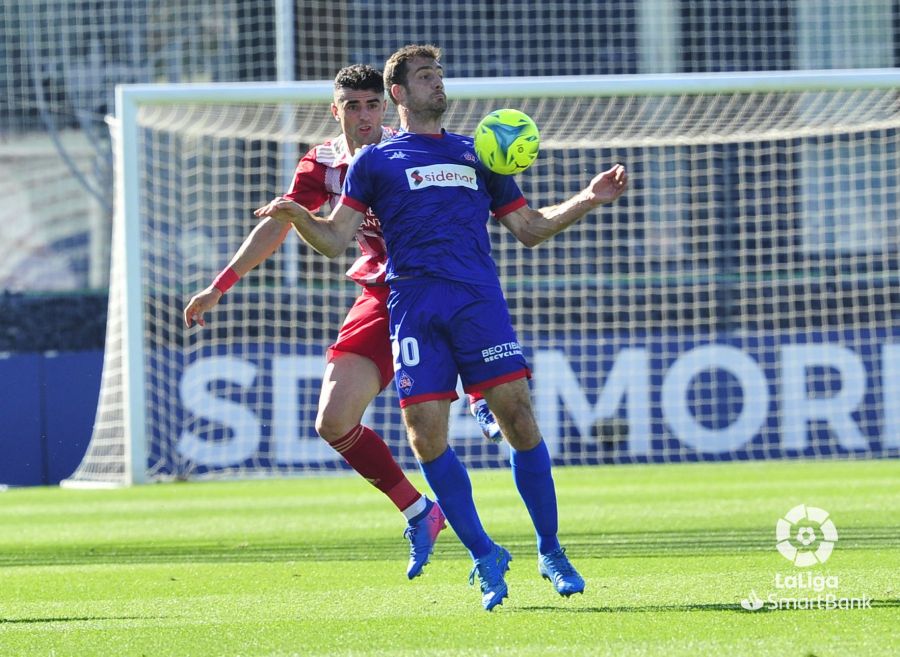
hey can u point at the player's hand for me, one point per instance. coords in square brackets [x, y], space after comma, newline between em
[280, 209]
[199, 304]
[606, 187]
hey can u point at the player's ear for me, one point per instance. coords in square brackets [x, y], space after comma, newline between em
[334, 112]
[396, 89]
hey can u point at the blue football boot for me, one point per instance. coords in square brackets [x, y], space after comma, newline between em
[490, 570]
[558, 569]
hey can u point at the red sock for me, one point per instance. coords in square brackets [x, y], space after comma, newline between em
[368, 454]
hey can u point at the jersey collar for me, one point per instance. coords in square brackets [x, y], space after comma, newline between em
[342, 151]
[433, 135]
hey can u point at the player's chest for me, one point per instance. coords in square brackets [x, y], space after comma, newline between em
[413, 171]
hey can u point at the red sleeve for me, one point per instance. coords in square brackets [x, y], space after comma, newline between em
[353, 203]
[308, 187]
[509, 207]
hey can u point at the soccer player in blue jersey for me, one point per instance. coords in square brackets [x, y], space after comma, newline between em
[447, 311]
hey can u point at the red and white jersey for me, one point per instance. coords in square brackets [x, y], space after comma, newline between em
[318, 180]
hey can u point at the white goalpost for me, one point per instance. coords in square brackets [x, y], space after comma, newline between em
[738, 302]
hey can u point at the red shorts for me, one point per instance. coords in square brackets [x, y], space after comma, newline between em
[366, 332]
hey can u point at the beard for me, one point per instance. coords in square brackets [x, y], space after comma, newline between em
[430, 109]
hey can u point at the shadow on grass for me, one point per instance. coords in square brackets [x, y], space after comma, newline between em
[68, 619]
[645, 544]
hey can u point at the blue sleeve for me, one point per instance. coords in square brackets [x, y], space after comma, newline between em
[504, 191]
[358, 184]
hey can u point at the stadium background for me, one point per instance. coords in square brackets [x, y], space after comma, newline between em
[61, 61]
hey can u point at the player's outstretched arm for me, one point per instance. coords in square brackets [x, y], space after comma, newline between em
[531, 227]
[329, 236]
[262, 242]
[259, 245]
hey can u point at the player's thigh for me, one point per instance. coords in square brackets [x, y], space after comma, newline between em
[427, 426]
[365, 332]
[485, 345]
[511, 405]
[424, 367]
[349, 385]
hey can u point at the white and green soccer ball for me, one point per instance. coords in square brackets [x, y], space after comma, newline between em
[507, 141]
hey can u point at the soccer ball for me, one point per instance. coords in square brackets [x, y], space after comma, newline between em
[507, 141]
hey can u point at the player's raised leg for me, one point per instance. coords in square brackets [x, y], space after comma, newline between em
[532, 473]
[349, 385]
[427, 427]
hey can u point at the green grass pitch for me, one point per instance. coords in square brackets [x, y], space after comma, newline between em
[316, 566]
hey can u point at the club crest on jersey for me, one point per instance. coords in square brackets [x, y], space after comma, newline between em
[405, 382]
[470, 157]
[442, 175]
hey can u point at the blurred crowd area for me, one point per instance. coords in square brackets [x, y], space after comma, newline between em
[60, 61]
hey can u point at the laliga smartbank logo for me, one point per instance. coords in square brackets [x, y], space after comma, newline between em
[805, 536]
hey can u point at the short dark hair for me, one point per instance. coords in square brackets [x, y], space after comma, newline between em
[360, 77]
[396, 68]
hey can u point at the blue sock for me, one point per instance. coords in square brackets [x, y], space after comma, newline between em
[531, 472]
[453, 490]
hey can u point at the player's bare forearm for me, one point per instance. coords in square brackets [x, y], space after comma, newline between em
[329, 236]
[531, 227]
[262, 242]
[259, 245]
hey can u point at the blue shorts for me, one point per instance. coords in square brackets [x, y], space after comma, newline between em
[441, 330]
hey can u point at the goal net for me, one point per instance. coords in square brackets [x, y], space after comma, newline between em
[738, 302]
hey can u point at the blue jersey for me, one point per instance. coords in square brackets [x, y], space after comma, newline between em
[433, 197]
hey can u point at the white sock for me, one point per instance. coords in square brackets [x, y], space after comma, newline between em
[415, 508]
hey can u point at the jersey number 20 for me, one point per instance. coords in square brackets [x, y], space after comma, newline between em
[405, 351]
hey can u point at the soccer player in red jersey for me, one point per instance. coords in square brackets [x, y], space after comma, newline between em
[359, 363]
[448, 314]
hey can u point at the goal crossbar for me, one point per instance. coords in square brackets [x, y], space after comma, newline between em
[560, 86]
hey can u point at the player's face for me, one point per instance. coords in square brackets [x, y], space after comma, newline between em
[424, 89]
[361, 114]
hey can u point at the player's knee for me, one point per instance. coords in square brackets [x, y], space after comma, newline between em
[520, 430]
[427, 451]
[426, 447]
[525, 442]
[332, 426]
